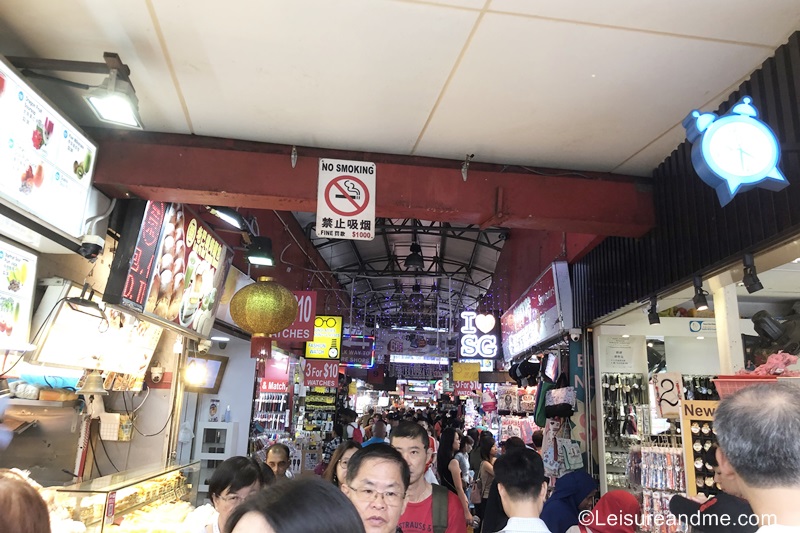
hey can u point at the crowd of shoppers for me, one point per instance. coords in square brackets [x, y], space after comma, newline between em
[380, 487]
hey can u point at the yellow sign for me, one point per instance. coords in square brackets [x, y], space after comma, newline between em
[327, 341]
[466, 371]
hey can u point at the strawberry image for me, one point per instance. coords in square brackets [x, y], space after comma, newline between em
[2, 84]
[38, 138]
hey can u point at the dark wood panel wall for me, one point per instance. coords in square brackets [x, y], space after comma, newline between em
[693, 234]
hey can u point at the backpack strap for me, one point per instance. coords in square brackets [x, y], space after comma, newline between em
[440, 496]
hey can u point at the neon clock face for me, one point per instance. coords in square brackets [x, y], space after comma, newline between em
[742, 147]
[736, 152]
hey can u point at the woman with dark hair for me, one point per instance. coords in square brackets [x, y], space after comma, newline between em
[488, 448]
[448, 468]
[337, 469]
[22, 508]
[306, 505]
[233, 481]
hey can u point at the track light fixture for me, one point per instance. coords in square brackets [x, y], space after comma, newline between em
[465, 166]
[652, 314]
[294, 156]
[229, 215]
[750, 279]
[699, 299]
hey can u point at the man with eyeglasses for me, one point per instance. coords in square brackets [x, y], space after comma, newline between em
[377, 481]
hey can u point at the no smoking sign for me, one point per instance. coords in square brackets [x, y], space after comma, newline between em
[346, 199]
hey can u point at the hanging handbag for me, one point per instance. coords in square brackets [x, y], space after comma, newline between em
[539, 414]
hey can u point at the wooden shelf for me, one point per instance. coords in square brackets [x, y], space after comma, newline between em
[41, 403]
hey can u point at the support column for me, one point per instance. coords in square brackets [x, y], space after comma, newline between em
[729, 334]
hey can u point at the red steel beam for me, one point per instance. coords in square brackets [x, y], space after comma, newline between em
[202, 170]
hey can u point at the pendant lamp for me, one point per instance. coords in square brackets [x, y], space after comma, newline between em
[262, 309]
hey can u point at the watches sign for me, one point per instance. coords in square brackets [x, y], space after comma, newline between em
[327, 340]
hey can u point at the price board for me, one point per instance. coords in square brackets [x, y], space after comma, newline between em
[320, 373]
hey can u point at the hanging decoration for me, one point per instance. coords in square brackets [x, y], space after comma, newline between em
[263, 309]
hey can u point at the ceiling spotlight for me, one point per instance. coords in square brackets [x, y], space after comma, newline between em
[229, 215]
[416, 297]
[115, 102]
[750, 279]
[652, 314]
[294, 156]
[699, 299]
[414, 260]
[259, 252]
[465, 166]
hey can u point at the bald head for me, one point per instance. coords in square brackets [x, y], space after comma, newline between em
[379, 429]
[759, 432]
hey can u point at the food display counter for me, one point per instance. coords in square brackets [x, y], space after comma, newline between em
[149, 499]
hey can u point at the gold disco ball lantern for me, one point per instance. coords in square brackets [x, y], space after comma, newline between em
[262, 309]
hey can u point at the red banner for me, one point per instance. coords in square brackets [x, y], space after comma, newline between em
[321, 373]
[276, 377]
[302, 329]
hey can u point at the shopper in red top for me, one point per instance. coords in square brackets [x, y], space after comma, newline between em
[423, 515]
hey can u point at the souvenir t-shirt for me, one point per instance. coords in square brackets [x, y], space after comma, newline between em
[418, 517]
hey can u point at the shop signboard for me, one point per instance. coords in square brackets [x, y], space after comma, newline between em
[302, 329]
[346, 200]
[276, 377]
[541, 315]
[179, 281]
[465, 378]
[327, 340]
[319, 373]
[479, 333]
[46, 162]
[358, 351]
[17, 284]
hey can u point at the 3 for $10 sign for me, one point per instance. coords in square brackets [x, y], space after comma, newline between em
[320, 373]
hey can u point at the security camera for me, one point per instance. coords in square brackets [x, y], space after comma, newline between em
[223, 345]
[156, 374]
[91, 246]
[575, 334]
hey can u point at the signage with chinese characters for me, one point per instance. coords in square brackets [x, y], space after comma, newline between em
[321, 373]
[478, 335]
[465, 378]
[302, 329]
[542, 314]
[46, 163]
[174, 272]
[327, 340]
[735, 152]
[346, 199]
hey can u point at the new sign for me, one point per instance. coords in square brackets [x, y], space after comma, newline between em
[735, 152]
[543, 313]
[478, 335]
[346, 199]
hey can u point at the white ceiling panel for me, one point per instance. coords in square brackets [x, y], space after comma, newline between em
[622, 94]
[731, 20]
[82, 31]
[350, 74]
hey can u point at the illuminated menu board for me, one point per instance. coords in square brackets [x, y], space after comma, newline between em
[46, 163]
[169, 265]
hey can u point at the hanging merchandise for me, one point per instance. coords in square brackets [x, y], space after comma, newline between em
[623, 399]
[697, 425]
[699, 388]
[662, 478]
[553, 457]
[508, 398]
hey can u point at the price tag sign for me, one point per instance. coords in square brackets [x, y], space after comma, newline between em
[668, 387]
[320, 373]
[465, 378]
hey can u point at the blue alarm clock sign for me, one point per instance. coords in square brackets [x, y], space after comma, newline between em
[735, 152]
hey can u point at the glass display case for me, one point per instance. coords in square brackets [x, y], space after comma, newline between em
[147, 499]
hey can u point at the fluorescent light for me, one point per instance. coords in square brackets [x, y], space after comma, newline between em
[220, 338]
[231, 216]
[700, 337]
[259, 252]
[626, 336]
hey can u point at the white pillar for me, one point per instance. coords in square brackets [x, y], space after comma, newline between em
[729, 334]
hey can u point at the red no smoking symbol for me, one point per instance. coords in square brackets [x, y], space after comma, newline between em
[347, 196]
